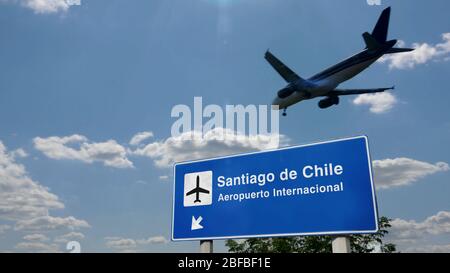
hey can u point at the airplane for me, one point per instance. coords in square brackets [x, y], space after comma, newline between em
[324, 83]
[197, 191]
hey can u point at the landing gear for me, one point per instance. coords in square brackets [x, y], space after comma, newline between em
[284, 112]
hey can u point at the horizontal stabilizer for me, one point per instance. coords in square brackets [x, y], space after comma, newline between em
[371, 42]
[399, 50]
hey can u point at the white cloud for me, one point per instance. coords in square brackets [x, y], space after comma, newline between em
[187, 146]
[435, 225]
[127, 251]
[140, 137]
[37, 247]
[141, 182]
[409, 233]
[46, 6]
[216, 142]
[4, 228]
[422, 54]
[403, 171]
[71, 236]
[77, 147]
[120, 243]
[429, 249]
[28, 204]
[21, 197]
[36, 237]
[378, 102]
[19, 153]
[154, 240]
[163, 177]
[51, 223]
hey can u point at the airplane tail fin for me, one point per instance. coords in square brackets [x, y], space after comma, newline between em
[380, 31]
[378, 38]
[379, 34]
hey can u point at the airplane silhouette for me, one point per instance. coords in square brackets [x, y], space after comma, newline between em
[326, 82]
[197, 191]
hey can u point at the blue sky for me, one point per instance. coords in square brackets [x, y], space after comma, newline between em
[93, 76]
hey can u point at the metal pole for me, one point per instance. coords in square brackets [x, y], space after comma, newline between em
[341, 245]
[206, 246]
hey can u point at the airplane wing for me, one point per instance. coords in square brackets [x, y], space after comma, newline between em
[191, 192]
[202, 190]
[344, 92]
[197, 190]
[284, 71]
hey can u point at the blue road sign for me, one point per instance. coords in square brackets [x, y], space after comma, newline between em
[316, 189]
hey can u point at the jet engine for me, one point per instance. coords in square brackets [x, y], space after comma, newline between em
[328, 102]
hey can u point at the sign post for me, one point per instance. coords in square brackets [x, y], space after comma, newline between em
[206, 246]
[317, 189]
[341, 245]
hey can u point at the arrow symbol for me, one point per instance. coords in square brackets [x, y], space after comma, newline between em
[196, 223]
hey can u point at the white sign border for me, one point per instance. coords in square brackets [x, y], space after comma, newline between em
[374, 199]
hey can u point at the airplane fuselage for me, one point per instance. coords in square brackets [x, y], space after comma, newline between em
[324, 82]
[197, 197]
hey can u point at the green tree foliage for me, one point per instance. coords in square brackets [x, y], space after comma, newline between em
[363, 243]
